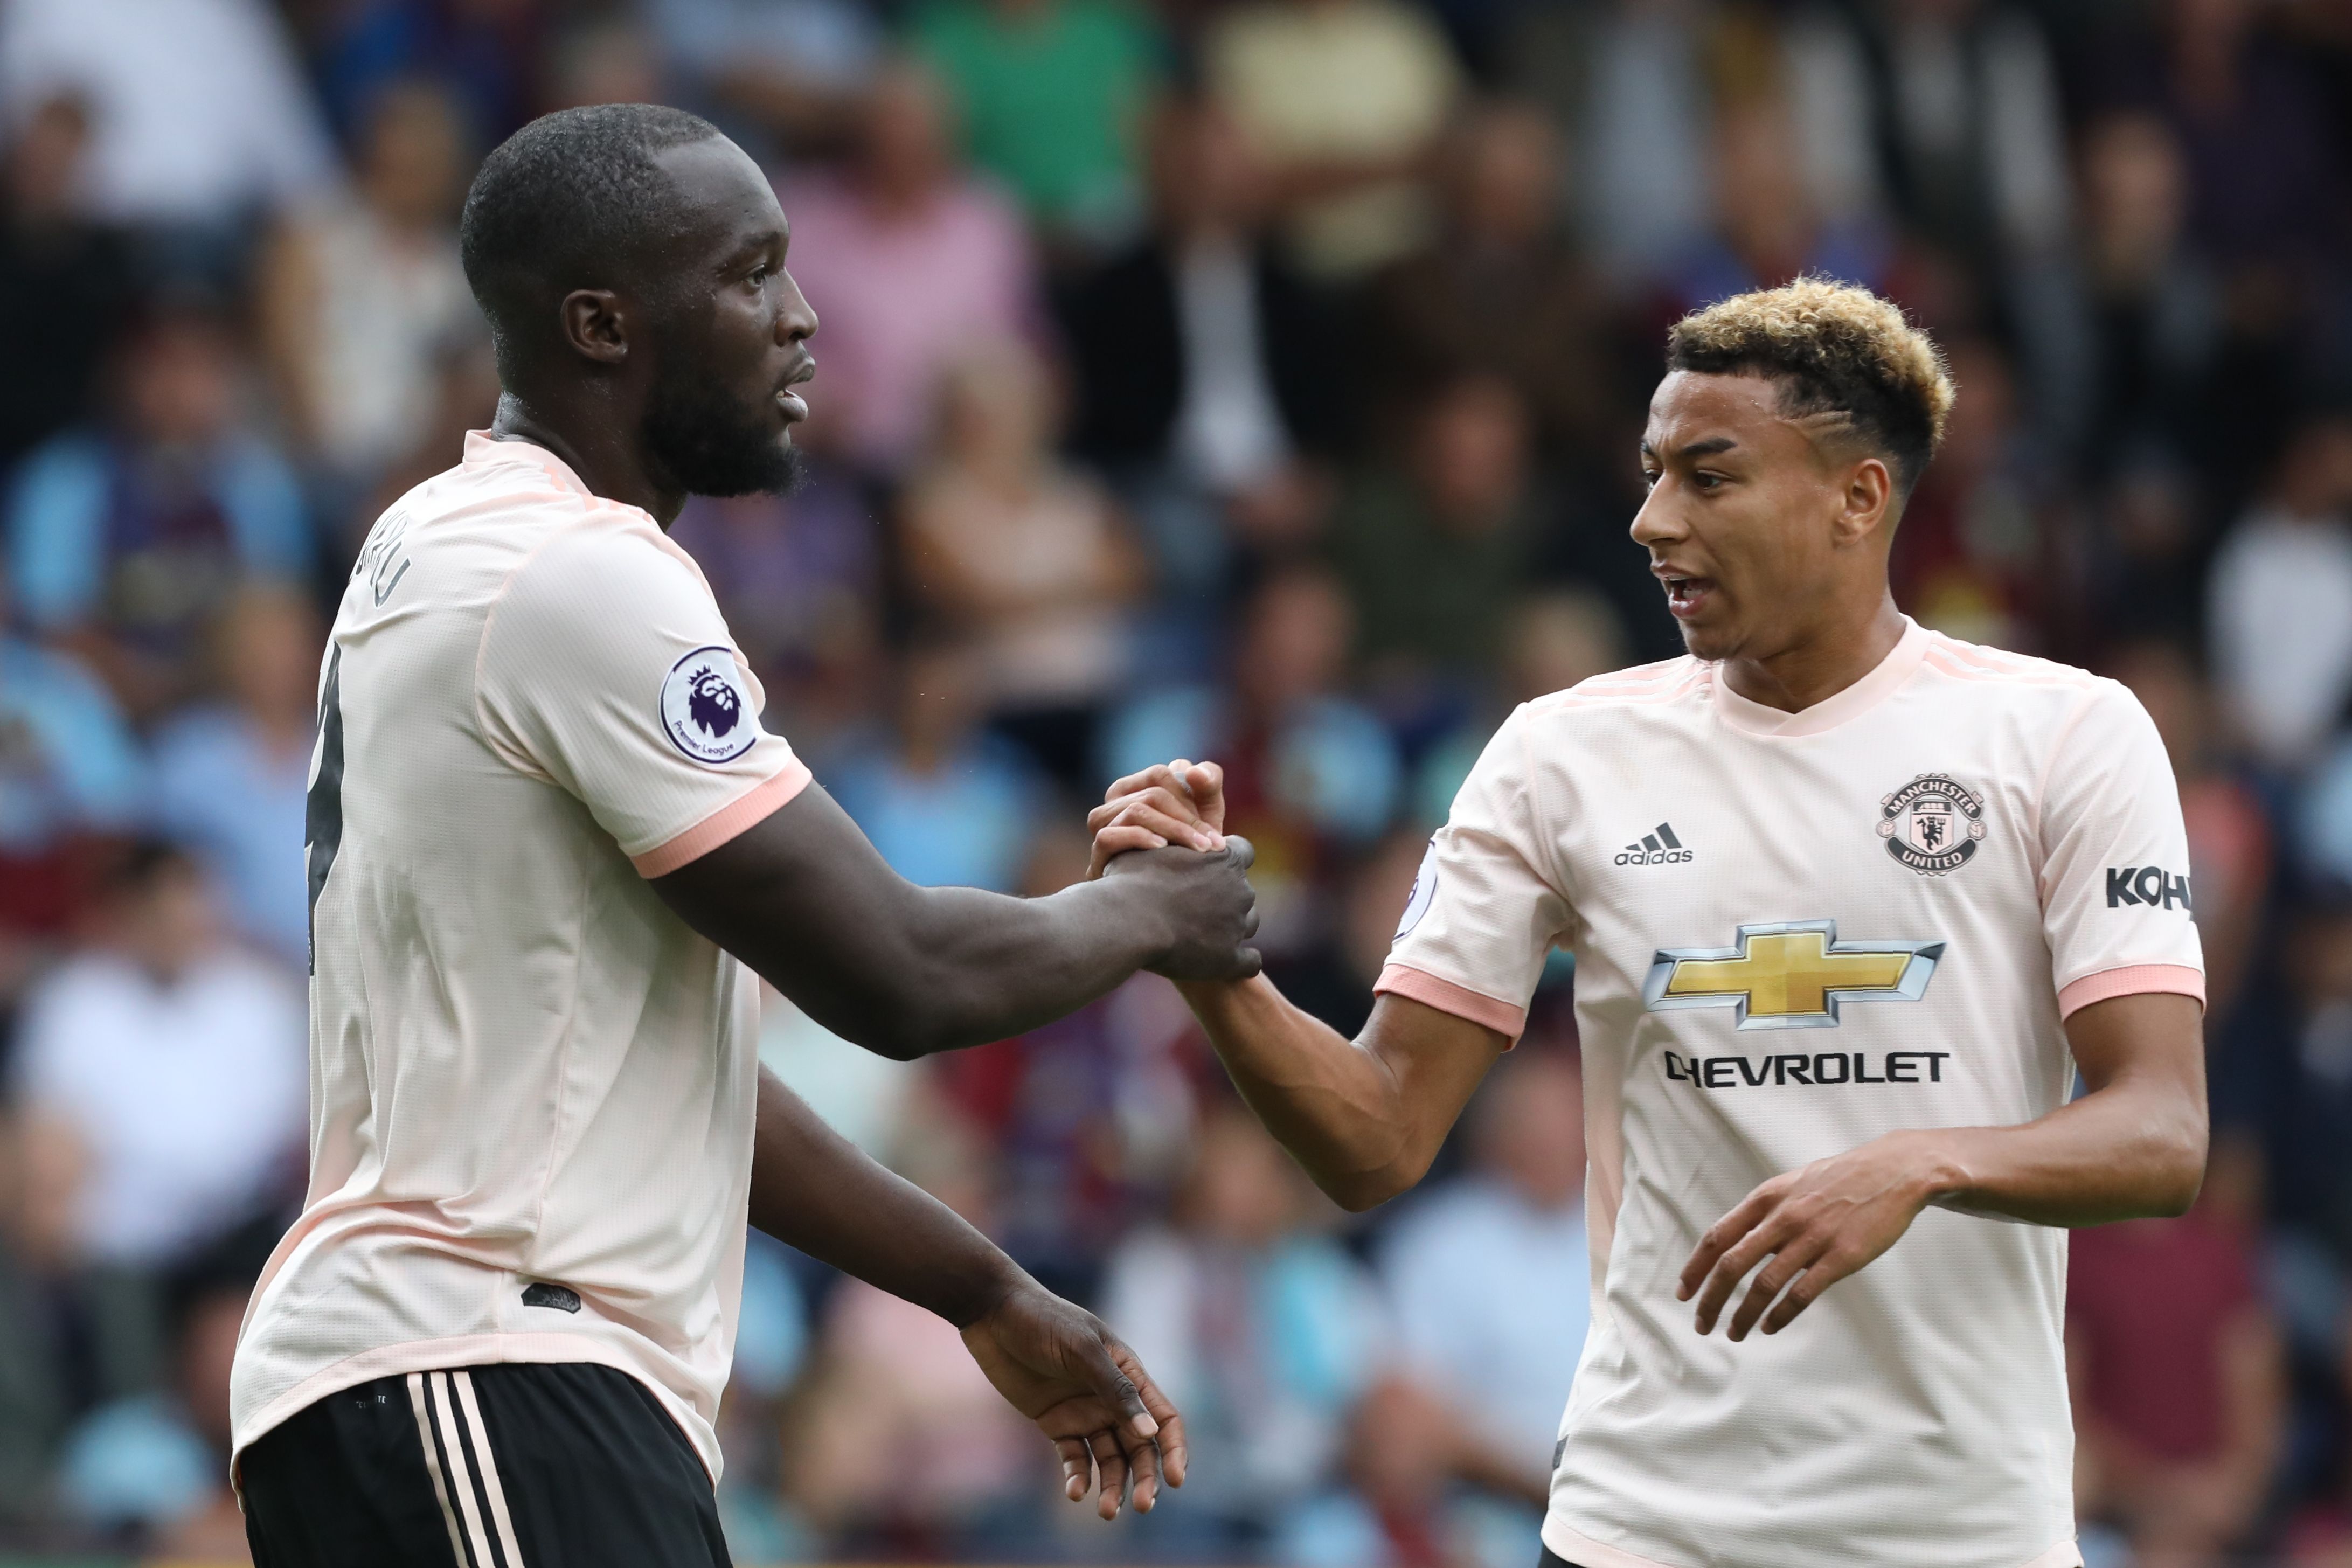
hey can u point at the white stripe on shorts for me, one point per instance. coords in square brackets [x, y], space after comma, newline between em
[432, 1465]
[461, 1479]
[492, 1487]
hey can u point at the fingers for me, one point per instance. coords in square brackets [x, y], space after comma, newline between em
[1723, 1233]
[1207, 782]
[1118, 840]
[1243, 852]
[1111, 1465]
[1078, 1466]
[1168, 1431]
[1144, 1459]
[1825, 1271]
[1798, 1257]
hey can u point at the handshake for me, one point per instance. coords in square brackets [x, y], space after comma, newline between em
[1162, 830]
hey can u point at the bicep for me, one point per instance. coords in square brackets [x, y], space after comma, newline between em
[1435, 1061]
[2151, 1040]
[804, 898]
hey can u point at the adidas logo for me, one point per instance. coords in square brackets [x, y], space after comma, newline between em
[1659, 846]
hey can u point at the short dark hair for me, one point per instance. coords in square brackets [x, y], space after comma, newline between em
[1835, 350]
[566, 203]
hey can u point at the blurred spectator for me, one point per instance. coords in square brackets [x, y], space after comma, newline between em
[126, 538]
[1091, 1115]
[486, 52]
[62, 277]
[2154, 310]
[179, 1062]
[69, 770]
[794, 68]
[2280, 608]
[897, 1441]
[198, 108]
[2178, 1373]
[158, 1462]
[1501, 291]
[1489, 1273]
[798, 575]
[1968, 558]
[1050, 94]
[1205, 369]
[1263, 1332]
[1959, 100]
[231, 779]
[1332, 979]
[2252, 119]
[357, 300]
[1344, 99]
[1429, 548]
[907, 262]
[1768, 225]
[947, 803]
[1551, 641]
[1308, 769]
[72, 1336]
[1027, 559]
[1628, 79]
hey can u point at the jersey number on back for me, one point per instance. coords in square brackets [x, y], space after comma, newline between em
[322, 819]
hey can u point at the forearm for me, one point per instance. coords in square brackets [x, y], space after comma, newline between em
[991, 966]
[1335, 1105]
[2126, 1151]
[813, 1189]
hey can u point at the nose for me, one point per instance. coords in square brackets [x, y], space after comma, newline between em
[1655, 523]
[795, 321]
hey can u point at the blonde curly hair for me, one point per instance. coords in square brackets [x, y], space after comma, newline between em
[1838, 353]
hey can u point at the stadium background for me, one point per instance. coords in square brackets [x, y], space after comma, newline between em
[1256, 380]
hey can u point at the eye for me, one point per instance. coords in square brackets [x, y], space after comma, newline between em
[1707, 482]
[1650, 478]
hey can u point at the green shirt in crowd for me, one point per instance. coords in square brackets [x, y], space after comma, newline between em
[1051, 92]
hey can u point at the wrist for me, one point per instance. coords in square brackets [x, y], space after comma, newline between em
[1937, 1172]
[988, 1285]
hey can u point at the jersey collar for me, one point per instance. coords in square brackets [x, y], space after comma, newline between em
[1901, 662]
[483, 449]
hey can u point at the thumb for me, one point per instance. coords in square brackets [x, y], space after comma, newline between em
[1207, 782]
[1117, 1390]
[1242, 852]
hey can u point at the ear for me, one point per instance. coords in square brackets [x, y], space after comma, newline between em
[593, 327]
[1866, 505]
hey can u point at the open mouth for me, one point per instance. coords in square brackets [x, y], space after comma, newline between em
[795, 407]
[1686, 596]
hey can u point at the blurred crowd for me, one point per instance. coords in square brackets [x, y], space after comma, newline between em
[1250, 379]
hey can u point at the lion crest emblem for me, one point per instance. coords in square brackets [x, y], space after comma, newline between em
[705, 704]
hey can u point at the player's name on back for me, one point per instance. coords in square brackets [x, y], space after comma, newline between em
[1822, 1069]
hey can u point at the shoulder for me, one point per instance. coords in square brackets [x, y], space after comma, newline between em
[1668, 681]
[1969, 661]
[2059, 702]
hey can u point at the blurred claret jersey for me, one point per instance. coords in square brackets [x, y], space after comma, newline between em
[1794, 933]
[531, 1084]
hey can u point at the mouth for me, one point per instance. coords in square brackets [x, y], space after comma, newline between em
[793, 406]
[1685, 596]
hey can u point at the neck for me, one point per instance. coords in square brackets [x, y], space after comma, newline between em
[583, 432]
[1819, 666]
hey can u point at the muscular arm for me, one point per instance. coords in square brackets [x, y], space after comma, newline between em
[1053, 1361]
[1363, 1117]
[2132, 1146]
[905, 971]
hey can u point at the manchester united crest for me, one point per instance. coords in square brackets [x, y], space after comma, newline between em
[1933, 824]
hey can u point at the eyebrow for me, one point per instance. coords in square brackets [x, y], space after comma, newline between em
[1706, 449]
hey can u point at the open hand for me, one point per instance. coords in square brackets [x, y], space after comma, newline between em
[1059, 1366]
[1173, 803]
[1817, 1224]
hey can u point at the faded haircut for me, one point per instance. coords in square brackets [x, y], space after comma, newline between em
[1840, 355]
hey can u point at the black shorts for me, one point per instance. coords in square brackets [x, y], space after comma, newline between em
[519, 1464]
[1552, 1560]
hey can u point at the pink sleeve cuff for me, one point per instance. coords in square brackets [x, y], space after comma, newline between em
[2131, 980]
[753, 806]
[1459, 1000]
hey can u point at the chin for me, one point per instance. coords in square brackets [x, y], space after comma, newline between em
[1714, 644]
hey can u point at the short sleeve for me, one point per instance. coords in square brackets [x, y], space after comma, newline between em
[1483, 912]
[2117, 898]
[606, 670]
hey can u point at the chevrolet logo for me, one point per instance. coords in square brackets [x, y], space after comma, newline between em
[1792, 976]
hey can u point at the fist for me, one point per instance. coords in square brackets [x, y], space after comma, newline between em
[1173, 803]
[1209, 905]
